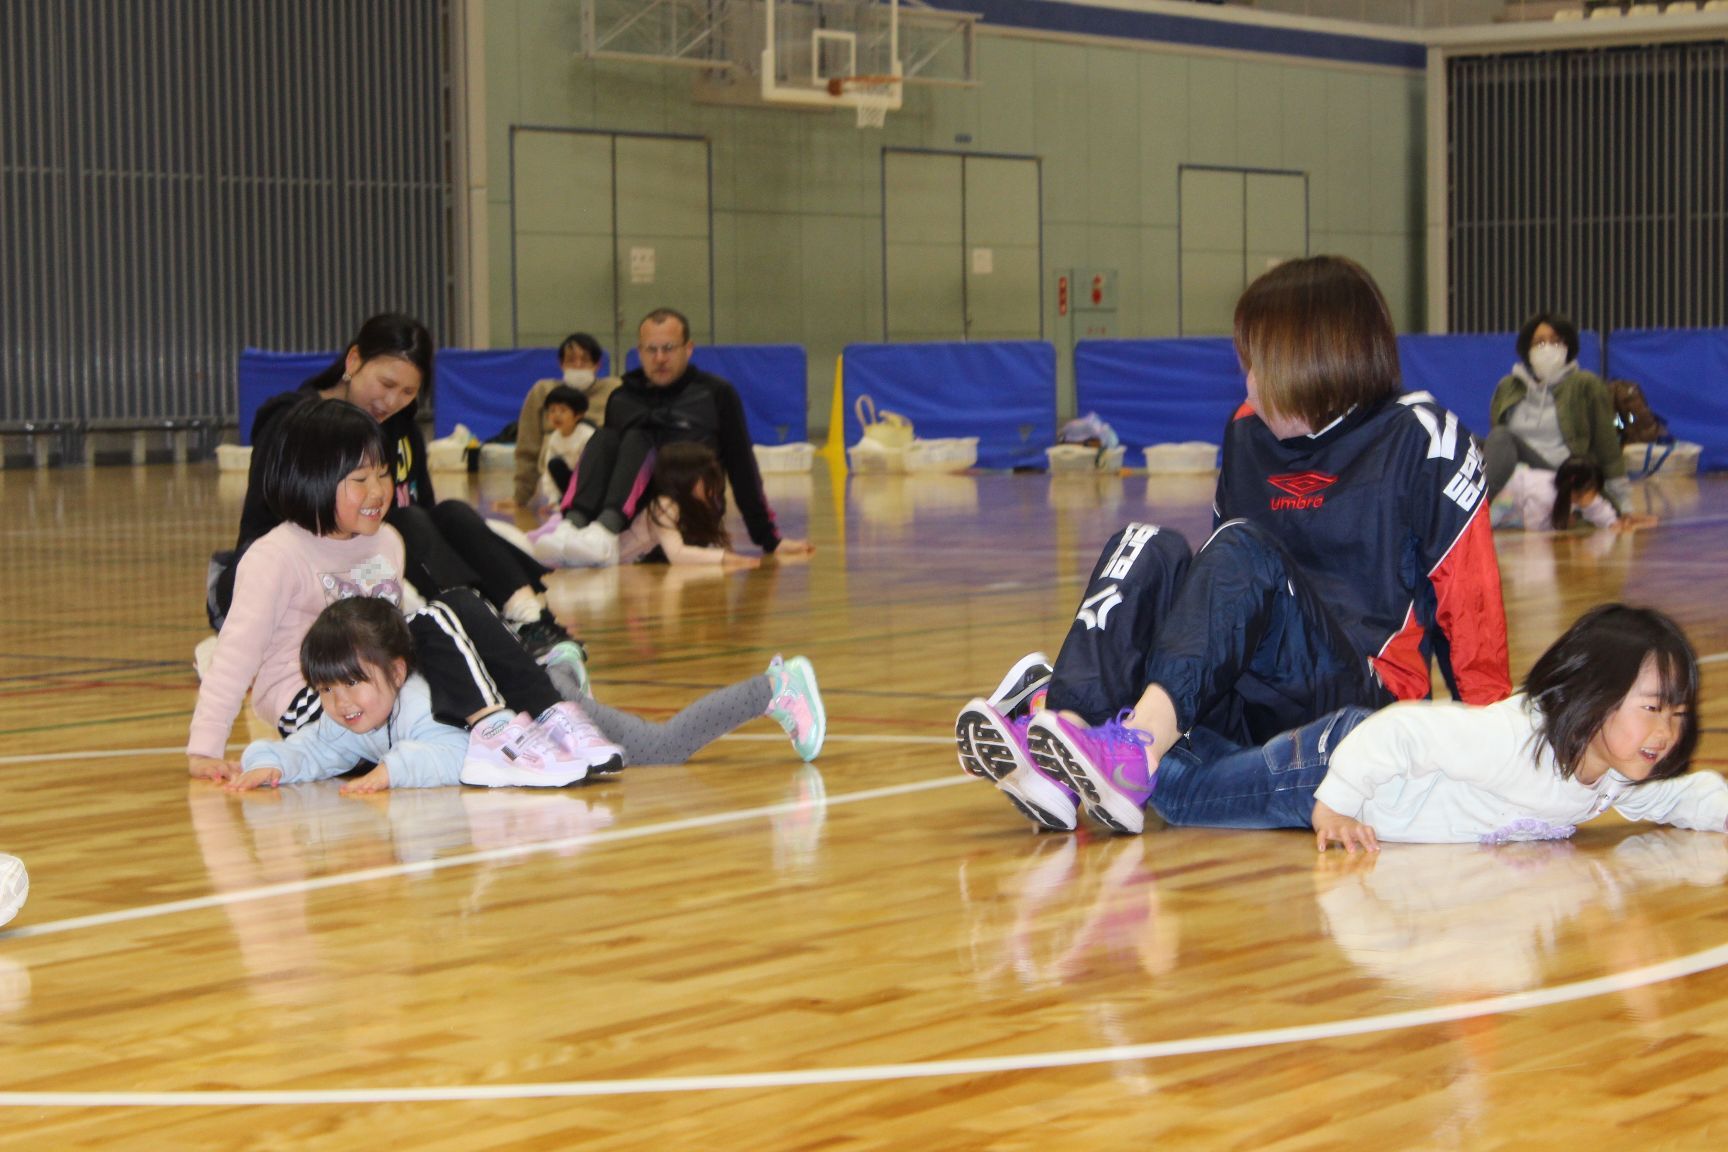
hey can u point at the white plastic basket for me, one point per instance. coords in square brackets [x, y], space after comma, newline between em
[448, 456]
[870, 456]
[497, 456]
[1682, 461]
[1080, 458]
[233, 457]
[951, 454]
[777, 458]
[1187, 456]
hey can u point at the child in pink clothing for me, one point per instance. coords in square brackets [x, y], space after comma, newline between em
[683, 522]
[327, 476]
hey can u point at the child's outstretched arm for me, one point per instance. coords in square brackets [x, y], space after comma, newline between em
[251, 623]
[265, 777]
[1335, 828]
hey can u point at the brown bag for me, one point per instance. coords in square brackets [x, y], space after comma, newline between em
[1632, 415]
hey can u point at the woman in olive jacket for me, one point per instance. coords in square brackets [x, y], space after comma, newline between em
[1548, 409]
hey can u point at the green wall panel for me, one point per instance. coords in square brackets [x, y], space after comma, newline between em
[797, 200]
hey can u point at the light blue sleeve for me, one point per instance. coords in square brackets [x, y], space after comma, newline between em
[426, 753]
[318, 751]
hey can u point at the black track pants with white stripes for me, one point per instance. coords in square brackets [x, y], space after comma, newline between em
[472, 662]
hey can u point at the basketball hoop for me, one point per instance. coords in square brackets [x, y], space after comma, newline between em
[872, 96]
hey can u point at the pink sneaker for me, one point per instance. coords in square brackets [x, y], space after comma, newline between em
[797, 705]
[506, 750]
[568, 727]
[993, 746]
[1106, 765]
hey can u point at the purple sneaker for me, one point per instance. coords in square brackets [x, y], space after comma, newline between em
[994, 747]
[1106, 765]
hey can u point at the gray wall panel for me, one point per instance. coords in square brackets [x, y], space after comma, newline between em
[1588, 182]
[181, 179]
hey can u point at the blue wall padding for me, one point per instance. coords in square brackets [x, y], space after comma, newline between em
[484, 388]
[1461, 369]
[1159, 391]
[1684, 374]
[770, 379]
[1001, 391]
[1167, 391]
[264, 374]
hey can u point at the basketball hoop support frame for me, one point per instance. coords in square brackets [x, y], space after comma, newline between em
[820, 96]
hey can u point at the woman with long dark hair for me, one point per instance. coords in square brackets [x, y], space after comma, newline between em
[386, 370]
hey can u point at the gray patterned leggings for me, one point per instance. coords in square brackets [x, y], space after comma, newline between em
[678, 739]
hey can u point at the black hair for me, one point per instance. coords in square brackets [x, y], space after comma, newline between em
[312, 448]
[1563, 328]
[661, 315]
[572, 398]
[1586, 674]
[583, 341]
[677, 468]
[1578, 475]
[386, 334]
[351, 636]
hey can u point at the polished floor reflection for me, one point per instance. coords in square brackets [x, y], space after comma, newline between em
[747, 952]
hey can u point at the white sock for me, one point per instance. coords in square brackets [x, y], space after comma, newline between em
[524, 606]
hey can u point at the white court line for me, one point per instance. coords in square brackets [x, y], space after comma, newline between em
[423, 867]
[978, 1066]
[771, 738]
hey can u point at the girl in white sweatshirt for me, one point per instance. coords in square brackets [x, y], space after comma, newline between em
[1606, 719]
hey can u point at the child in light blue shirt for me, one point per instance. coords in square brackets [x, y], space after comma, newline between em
[359, 657]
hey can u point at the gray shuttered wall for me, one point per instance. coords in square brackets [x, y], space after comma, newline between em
[1592, 183]
[180, 179]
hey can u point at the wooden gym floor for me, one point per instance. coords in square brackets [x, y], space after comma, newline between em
[873, 952]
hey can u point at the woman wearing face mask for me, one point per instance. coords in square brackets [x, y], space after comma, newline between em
[579, 363]
[385, 371]
[1549, 409]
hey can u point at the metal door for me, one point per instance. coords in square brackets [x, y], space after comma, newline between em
[604, 228]
[962, 247]
[1235, 224]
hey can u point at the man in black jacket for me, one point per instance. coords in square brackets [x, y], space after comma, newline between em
[664, 401]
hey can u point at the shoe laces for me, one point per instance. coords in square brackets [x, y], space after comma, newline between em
[1118, 732]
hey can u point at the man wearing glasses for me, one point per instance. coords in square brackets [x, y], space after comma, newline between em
[662, 402]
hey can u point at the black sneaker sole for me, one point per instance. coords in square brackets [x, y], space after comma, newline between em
[1044, 820]
[983, 750]
[1054, 758]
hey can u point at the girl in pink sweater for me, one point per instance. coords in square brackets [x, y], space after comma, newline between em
[325, 476]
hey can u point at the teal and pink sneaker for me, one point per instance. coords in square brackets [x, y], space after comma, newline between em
[1106, 765]
[797, 704]
[993, 746]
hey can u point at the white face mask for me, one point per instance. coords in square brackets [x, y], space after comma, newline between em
[1547, 360]
[578, 377]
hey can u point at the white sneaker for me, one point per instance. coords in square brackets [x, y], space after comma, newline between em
[510, 751]
[591, 547]
[569, 728]
[14, 886]
[549, 546]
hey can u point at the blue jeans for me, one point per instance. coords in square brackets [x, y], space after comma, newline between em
[1212, 781]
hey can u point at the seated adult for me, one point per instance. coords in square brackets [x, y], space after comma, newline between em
[1549, 409]
[664, 401]
[385, 371]
[578, 363]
